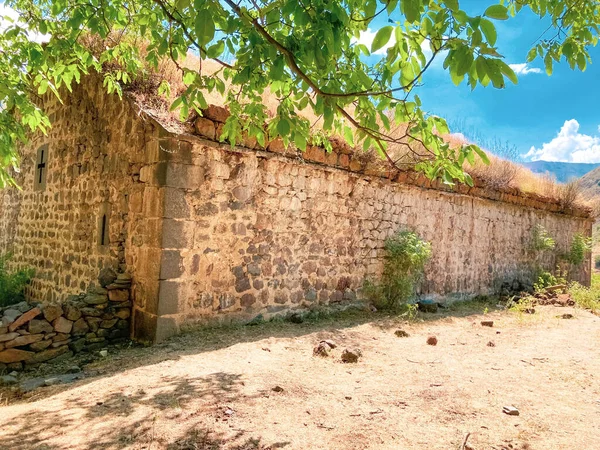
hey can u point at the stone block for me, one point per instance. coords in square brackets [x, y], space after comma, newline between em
[80, 327]
[216, 113]
[25, 318]
[166, 327]
[176, 205]
[177, 234]
[51, 312]
[170, 294]
[46, 355]
[171, 264]
[95, 299]
[71, 312]
[108, 323]
[118, 295]
[144, 326]
[8, 337]
[24, 340]
[62, 325]
[13, 355]
[41, 345]
[186, 176]
[205, 128]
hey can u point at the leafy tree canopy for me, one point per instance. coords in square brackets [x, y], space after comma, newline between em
[305, 51]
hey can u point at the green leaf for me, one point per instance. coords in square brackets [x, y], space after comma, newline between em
[411, 9]
[498, 12]
[452, 5]
[283, 127]
[531, 55]
[205, 27]
[481, 154]
[489, 31]
[506, 70]
[381, 38]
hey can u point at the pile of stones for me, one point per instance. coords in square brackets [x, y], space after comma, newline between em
[33, 333]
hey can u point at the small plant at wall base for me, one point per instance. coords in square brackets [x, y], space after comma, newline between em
[12, 284]
[405, 257]
[581, 246]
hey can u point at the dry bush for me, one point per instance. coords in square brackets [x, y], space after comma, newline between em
[569, 194]
[499, 174]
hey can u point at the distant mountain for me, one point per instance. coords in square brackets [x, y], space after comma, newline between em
[590, 183]
[563, 171]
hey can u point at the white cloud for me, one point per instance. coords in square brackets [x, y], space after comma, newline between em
[9, 17]
[524, 69]
[568, 146]
[366, 38]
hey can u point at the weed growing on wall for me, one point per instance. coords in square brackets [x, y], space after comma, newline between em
[541, 239]
[12, 284]
[405, 257]
[581, 246]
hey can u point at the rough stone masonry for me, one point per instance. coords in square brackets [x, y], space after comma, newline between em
[211, 232]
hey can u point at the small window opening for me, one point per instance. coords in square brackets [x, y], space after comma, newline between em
[103, 237]
[103, 225]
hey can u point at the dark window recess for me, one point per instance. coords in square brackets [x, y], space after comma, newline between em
[41, 168]
[104, 224]
[103, 237]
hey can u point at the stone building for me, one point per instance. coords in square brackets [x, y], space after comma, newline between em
[210, 232]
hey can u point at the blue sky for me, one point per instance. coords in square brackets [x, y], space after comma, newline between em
[559, 116]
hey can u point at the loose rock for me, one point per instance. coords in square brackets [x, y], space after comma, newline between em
[510, 410]
[322, 350]
[401, 333]
[351, 355]
[432, 340]
[487, 323]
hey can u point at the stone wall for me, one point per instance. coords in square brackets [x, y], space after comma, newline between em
[210, 232]
[251, 230]
[95, 151]
[35, 333]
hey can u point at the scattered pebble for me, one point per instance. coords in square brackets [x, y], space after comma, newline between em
[510, 410]
[432, 340]
[401, 333]
[487, 323]
[277, 389]
[529, 311]
[491, 344]
[566, 316]
[104, 353]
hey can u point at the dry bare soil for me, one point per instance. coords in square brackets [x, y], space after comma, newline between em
[261, 388]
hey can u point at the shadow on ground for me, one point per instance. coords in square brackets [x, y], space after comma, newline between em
[34, 430]
[197, 340]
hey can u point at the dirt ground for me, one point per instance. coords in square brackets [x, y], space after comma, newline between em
[260, 387]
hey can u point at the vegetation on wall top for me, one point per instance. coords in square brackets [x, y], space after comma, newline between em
[306, 52]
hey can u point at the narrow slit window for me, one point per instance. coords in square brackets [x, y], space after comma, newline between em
[103, 237]
[104, 225]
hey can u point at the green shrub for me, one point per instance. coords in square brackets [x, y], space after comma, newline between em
[541, 239]
[546, 279]
[405, 257]
[588, 298]
[597, 262]
[12, 284]
[581, 246]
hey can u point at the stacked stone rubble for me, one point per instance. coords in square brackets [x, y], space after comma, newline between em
[31, 334]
